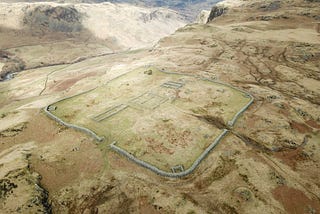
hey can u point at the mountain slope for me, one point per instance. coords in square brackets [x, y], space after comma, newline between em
[34, 34]
[141, 26]
[189, 9]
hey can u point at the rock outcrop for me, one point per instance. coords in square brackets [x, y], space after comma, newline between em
[53, 18]
[216, 11]
[17, 180]
[123, 25]
[10, 65]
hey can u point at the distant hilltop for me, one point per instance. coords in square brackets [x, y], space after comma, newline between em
[126, 26]
[188, 8]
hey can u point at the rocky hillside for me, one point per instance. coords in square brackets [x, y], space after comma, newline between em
[19, 183]
[34, 34]
[53, 18]
[189, 9]
[126, 25]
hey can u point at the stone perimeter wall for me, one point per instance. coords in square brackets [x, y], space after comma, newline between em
[237, 115]
[143, 163]
[79, 128]
[169, 174]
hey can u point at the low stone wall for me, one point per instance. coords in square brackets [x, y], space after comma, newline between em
[235, 118]
[170, 174]
[79, 128]
[143, 163]
[238, 114]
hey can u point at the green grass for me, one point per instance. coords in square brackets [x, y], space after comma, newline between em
[166, 136]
